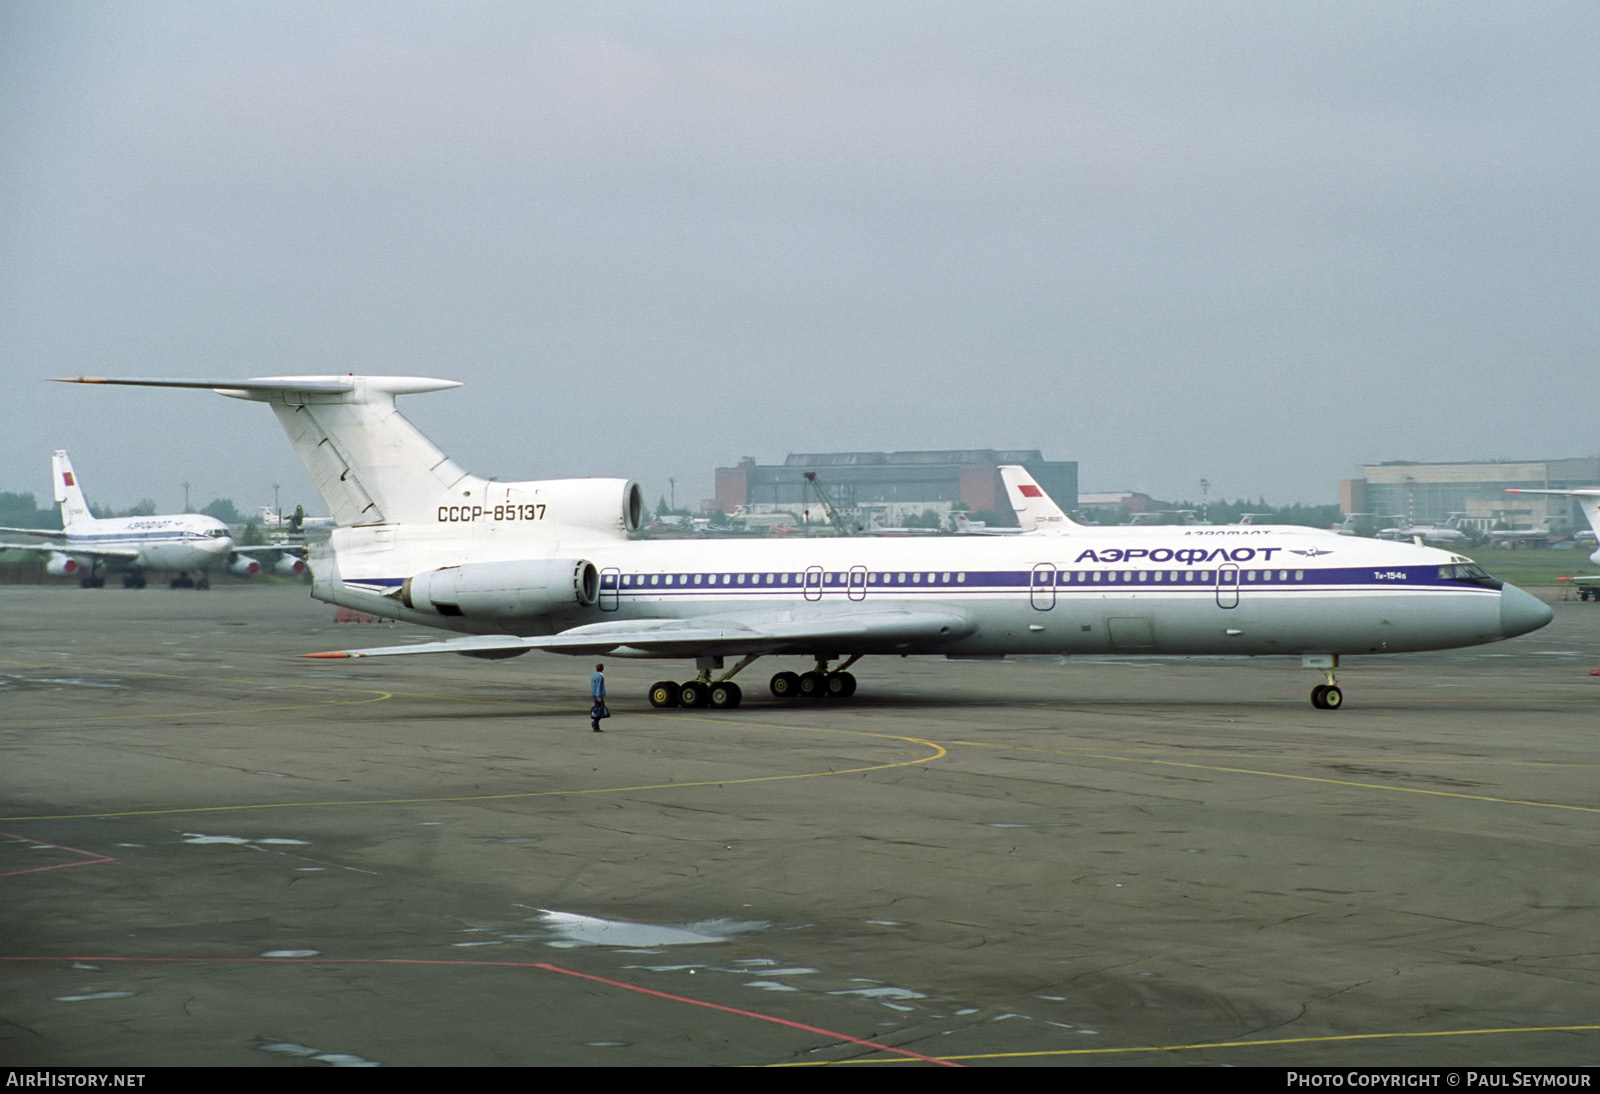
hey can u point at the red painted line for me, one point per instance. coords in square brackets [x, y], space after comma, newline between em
[874, 1045]
[91, 857]
[754, 1014]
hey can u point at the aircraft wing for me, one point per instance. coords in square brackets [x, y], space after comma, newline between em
[741, 634]
[54, 534]
[56, 541]
[965, 527]
[259, 549]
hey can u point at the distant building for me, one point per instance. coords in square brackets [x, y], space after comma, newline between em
[895, 484]
[1428, 493]
[1114, 501]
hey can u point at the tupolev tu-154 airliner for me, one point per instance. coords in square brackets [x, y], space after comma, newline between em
[551, 565]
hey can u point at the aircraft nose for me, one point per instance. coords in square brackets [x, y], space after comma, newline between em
[1521, 612]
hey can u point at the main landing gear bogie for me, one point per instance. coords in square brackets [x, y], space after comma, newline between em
[813, 685]
[724, 694]
[696, 694]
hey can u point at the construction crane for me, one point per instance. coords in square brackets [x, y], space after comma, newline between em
[835, 518]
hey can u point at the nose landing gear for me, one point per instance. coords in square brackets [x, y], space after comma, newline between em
[1325, 696]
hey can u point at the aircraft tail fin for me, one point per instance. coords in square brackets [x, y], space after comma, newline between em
[370, 464]
[376, 470]
[75, 515]
[1036, 511]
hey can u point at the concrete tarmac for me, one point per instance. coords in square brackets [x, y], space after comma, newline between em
[215, 853]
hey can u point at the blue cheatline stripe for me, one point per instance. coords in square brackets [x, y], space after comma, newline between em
[1064, 582]
[134, 537]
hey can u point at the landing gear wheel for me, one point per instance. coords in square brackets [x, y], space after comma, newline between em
[841, 685]
[813, 685]
[785, 685]
[694, 694]
[664, 694]
[726, 696]
[203, 584]
[1327, 697]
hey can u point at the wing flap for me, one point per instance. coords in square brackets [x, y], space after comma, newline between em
[883, 632]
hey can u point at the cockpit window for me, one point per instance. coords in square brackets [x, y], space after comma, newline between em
[1469, 573]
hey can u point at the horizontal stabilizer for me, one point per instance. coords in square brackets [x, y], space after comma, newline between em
[368, 462]
[265, 387]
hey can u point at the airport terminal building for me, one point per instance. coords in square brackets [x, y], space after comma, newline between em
[896, 484]
[1428, 493]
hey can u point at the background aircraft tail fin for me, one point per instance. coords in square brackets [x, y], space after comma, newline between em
[75, 514]
[1036, 511]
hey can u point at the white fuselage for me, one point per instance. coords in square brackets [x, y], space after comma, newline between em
[1197, 590]
[184, 542]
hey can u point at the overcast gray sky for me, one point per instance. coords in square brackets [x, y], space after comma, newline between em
[1257, 243]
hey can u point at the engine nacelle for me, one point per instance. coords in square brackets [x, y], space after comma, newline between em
[243, 566]
[60, 565]
[504, 590]
[605, 506]
[289, 566]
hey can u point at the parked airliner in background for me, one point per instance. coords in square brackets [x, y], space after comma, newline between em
[297, 523]
[1039, 515]
[87, 545]
[1440, 535]
[183, 543]
[1589, 502]
[549, 565]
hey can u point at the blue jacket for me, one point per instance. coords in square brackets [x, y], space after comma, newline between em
[597, 687]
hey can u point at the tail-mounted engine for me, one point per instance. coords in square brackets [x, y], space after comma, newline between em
[605, 507]
[504, 590]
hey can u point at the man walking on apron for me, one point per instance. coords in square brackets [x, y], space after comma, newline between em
[597, 692]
